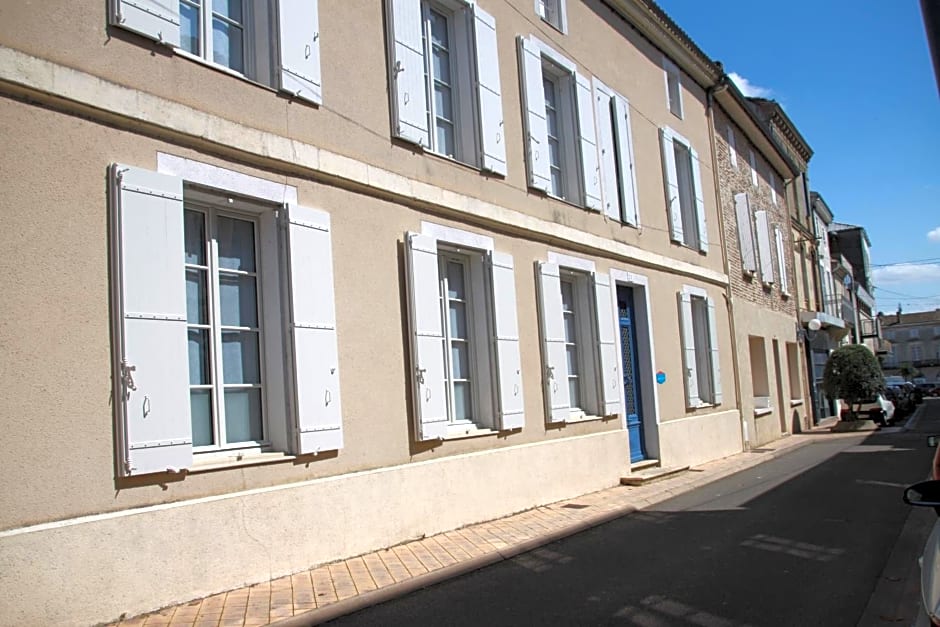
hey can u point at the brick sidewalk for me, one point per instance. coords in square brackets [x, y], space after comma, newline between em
[384, 574]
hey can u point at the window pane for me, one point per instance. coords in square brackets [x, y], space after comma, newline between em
[199, 357]
[462, 405]
[238, 297]
[200, 408]
[455, 280]
[460, 360]
[572, 355]
[240, 357]
[236, 244]
[440, 65]
[458, 320]
[443, 103]
[194, 227]
[227, 45]
[231, 9]
[439, 35]
[571, 334]
[567, 296]
[189, 28]
[243, 415]
[574, 391]
[196, 300]
[445, 138]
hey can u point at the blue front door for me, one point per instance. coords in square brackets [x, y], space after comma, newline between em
[631, 386]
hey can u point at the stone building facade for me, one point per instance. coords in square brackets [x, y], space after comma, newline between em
[752, 171]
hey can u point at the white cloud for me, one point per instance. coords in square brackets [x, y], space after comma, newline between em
[907, 273]
[748, 89]
[934, 235]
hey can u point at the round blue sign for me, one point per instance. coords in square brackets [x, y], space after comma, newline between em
[660, 377]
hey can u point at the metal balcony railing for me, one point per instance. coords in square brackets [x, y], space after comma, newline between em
[841, 307]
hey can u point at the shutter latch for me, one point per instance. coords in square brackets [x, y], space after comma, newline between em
[419, 372]
[127, 378]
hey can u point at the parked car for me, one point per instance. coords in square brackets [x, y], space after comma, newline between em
[878, 408]
[927, 494]
[903, 398]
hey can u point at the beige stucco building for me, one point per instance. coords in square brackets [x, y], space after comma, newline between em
[289, 299]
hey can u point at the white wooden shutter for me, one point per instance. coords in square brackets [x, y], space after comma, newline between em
[763, 247]
[408, 97]
[610, 380]
[623, 139]
[699, 201]
[671, 182]
[536, 126]
[151, 375]
[427, 337]
[299, 23]
[608, 154]
[742, 209]
[713, 347]
[687, 335]
[489, 94]
[782, 262]
[506, 342]
[557, 398]
[155, 19]
[753, 161]
[732, 148]
[590, 168]
[317, 409]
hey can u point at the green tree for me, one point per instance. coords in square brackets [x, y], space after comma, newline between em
[853, 374]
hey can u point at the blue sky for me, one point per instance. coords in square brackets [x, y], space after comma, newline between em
[856, 79]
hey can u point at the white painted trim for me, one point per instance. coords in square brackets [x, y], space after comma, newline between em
[677, 137]
[695, 291]
[573, 263]
[457, 237]
[192, 171]
[553, 55]
[646, 351]
[92, 96]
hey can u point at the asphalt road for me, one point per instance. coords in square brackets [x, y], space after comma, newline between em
[803, 539]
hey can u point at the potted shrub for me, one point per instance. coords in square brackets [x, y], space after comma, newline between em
[853, 374]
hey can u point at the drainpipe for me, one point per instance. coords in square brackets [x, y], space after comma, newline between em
[718, 87]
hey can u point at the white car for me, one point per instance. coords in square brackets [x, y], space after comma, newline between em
[927, 494]
[880, 409]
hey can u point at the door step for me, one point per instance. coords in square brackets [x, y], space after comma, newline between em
[643, 464]
[651, 474]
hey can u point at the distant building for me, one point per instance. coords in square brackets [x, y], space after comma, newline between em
[914, 341]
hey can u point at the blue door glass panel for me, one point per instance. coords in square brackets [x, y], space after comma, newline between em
[631, 385]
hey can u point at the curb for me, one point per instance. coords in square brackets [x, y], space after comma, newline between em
[375, 597]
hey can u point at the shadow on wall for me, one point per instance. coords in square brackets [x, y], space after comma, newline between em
[796, 425]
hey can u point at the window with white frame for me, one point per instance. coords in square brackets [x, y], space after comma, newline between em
[673, 87]
[782, 261]
[697, 324]
[917, 351]
[764, 247]
[444, 75]
[464, 334]
[615, 144]
[773, 187]
[553, 12]
[578, 335]
[562, 156]
[276, 44]
[760, 379]
[225, 328]
[745, 226]
[683, 186]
